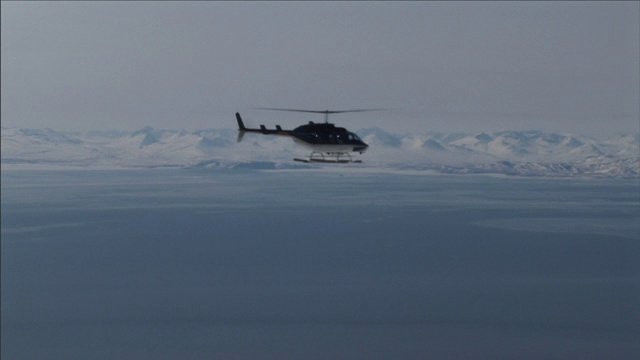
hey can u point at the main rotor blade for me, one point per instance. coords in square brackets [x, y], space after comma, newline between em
[321, 111]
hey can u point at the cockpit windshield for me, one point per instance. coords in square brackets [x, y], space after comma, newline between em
[354, 136]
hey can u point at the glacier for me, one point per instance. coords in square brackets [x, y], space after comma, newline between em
[514, 153]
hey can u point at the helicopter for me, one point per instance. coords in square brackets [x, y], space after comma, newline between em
[328, 143]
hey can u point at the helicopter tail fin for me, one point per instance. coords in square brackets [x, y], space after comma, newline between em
[240, 135]
[240, 123]
[241, 128]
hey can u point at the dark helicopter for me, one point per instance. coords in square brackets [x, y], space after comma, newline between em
[327, 142]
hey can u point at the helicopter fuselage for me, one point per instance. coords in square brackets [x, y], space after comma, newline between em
[328, 138]
[323, 138]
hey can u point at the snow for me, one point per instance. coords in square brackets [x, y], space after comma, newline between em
[521, 153]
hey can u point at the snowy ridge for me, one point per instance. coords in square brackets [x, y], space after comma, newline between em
[522, 153]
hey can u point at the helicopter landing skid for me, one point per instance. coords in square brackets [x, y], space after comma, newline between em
[335, 158]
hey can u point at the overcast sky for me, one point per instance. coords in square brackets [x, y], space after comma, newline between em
[442, 66]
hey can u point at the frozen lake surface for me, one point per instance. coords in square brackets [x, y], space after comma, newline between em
[240, 264]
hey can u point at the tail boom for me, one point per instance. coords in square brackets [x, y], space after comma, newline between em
[263, 129]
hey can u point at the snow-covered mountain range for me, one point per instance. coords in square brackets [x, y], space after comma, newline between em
[525, 153]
